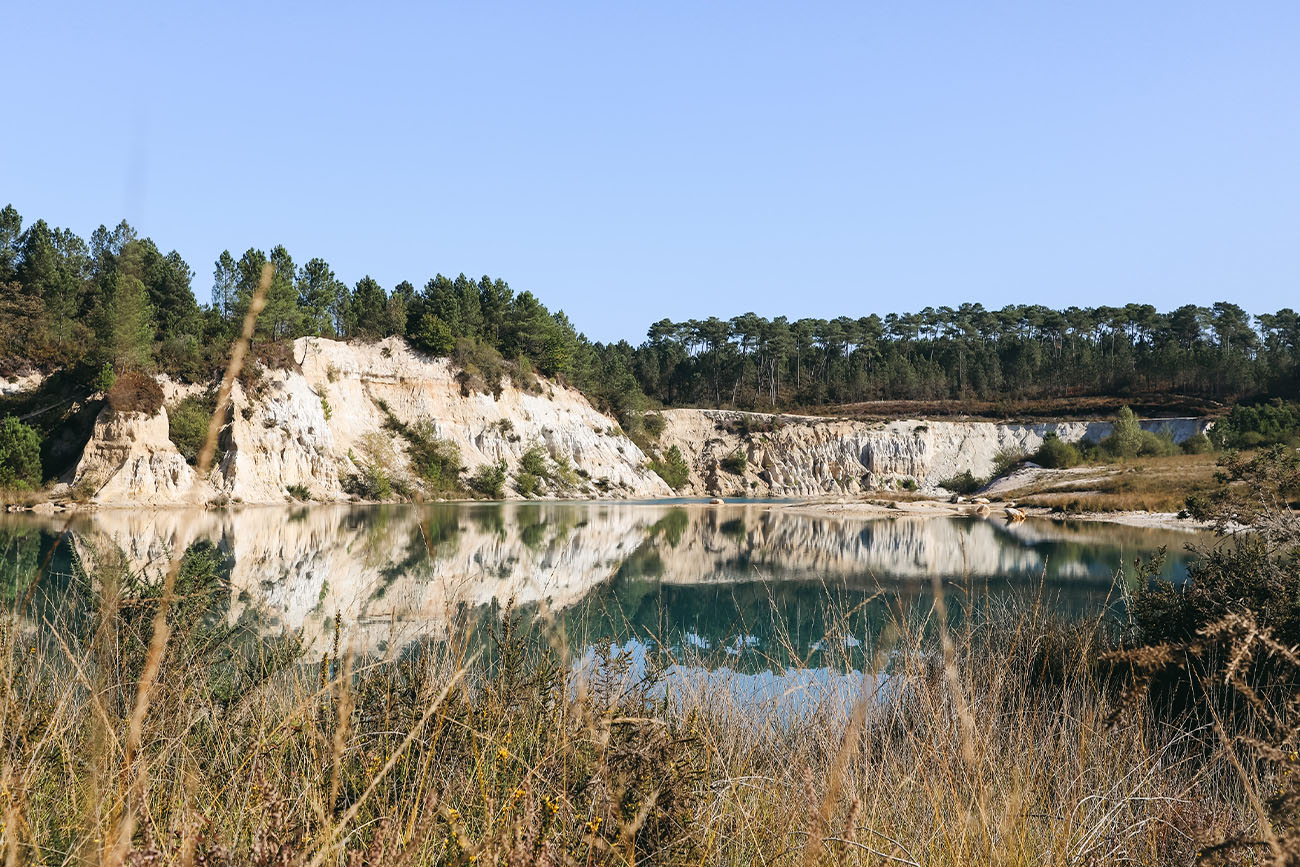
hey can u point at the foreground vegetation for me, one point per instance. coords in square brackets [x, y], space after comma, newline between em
[143, 723]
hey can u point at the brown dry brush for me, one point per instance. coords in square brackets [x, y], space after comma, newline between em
[990, 748]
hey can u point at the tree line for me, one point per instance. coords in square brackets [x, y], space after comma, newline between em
[969, 352]
[118, 300]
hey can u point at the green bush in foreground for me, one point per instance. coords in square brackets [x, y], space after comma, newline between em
[20, 455]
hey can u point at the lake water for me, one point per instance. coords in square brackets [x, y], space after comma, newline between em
[751, 586]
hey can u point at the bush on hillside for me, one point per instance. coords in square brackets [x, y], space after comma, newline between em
[527, 483]
[653, 424]
[1007, 459]
[20, 455]
[480, 367]
[436, 460]
[489, 481]
[372, 483]
[187, 424]
[533, 462]
[735, 462]
[433, 336]
[135, 392]
[1055, 453]
[962, 483]
[672, 469]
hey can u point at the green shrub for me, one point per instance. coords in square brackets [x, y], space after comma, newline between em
[1008, 458]
[187, 424]
[480, 367]
[433, 336]
[672, 469]
[962, 483]
[1125, 440]
[20, 455]
[1157, 445]
[1055, 453]
[181, 356]
[526, 483]
[1198, 444]
[735, 462]
[653, 423]
[533, 462]
[298, 492]
[325, 407]
[372, 483]
[564, 474]
[1245, 427]
[105, 377]
[489, 480]
[436, 460]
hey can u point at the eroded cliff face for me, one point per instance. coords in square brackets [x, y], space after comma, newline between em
[323, 423]
[319, 425]
[789, 456]
[130, 459]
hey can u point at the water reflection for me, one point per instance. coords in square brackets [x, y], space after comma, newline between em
[718, 583]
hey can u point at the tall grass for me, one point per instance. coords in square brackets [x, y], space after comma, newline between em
[997, 742]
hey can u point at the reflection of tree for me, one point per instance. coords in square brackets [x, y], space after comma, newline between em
[672, 525]
[20, 558]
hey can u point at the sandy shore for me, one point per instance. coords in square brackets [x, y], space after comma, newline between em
[943, 508]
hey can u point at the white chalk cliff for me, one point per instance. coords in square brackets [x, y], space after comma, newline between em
[787, 456]
[318, 425]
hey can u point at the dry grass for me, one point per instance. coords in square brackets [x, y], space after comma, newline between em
[988, 745]
[1152, 484]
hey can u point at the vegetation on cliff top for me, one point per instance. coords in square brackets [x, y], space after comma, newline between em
[119, 300]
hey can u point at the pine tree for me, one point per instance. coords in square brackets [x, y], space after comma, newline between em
[127, 328]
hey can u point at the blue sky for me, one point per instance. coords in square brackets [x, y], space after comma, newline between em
[629, 161]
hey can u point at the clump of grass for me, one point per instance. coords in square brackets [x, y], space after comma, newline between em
[735, 462]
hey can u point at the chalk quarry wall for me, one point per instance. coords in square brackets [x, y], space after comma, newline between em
[790, 456]
[320, 424]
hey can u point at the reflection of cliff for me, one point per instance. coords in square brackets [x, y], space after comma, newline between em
[394, 573]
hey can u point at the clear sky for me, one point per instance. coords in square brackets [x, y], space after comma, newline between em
[628, 161]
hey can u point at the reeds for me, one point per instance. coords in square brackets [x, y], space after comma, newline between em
[1001, 741]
